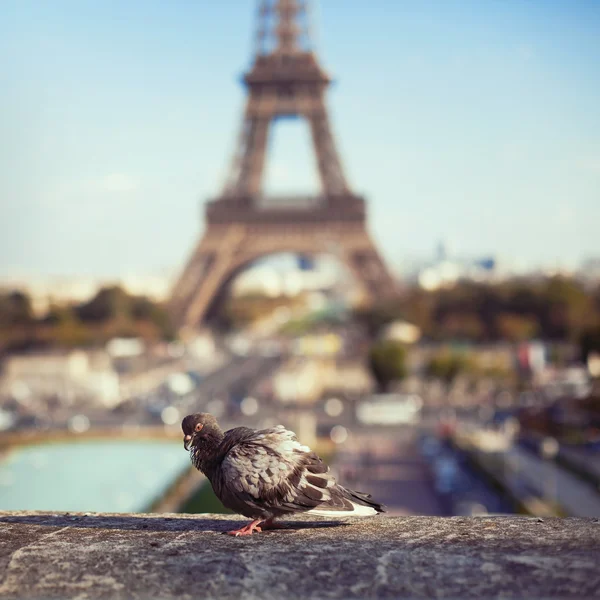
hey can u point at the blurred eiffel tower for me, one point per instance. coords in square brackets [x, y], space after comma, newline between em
[243, 224]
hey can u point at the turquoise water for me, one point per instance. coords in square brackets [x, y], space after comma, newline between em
[95, 476]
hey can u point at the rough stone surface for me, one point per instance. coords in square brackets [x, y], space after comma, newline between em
[46, 555]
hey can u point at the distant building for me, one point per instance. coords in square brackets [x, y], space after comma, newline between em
[317, 344]
[446, 270]
[589, 270]
[70, 376]
[349, 377]
[299, 382]
[125, 347]
[401, 331]
[593, 364]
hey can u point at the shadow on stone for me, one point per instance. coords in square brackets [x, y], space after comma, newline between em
[155, 523]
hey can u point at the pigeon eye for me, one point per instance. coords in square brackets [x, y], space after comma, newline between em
[199, 426]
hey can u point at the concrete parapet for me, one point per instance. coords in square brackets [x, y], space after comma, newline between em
[62, 555]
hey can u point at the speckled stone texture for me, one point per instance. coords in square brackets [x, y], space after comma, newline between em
[46, 555]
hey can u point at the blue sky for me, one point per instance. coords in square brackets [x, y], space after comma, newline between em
[474, 121]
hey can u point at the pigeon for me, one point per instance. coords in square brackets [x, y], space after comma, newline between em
[265, 474]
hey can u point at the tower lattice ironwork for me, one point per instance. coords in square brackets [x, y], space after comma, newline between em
[244, 224]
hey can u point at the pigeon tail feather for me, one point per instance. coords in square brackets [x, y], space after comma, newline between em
[362, 499]
[358, 510]
[348, 503]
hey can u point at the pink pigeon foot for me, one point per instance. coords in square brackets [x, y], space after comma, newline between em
[247, 529]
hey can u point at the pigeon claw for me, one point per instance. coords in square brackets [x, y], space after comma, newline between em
[240, 532]
[247, 529]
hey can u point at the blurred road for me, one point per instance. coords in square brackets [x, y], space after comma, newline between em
[231, 382]
[584, 459]
[555, 483]
[389, 466]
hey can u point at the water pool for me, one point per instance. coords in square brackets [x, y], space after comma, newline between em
[94, 476]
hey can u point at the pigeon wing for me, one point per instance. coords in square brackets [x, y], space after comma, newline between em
[270, 472]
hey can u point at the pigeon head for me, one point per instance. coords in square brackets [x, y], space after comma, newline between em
[201, 430]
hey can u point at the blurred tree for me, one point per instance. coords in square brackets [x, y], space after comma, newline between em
[464, 312]
[567, 308]
[590, 342]
[516, 328]
[372, 318]
[448, 364]
[417, 307]
[73, 334]
[58, 314]
[112, 312]
[387, 361]
[66, 329]
[109, 303]
[143, 309]
[520, 297]
[15, 310]
[596, 299]
[463, 326]
[555, 309]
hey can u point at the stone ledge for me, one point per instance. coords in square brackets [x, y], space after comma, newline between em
[44, 555]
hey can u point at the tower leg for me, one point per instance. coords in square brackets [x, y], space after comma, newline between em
[368, 268]
[205, 274]
[328, 162]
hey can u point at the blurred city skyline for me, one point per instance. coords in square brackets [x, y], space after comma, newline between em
[474, 122]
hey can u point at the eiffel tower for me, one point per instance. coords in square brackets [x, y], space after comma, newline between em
[243, 224]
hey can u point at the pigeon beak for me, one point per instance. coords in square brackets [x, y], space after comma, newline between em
[186, 441]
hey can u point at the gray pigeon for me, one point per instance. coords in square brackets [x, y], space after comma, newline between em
[265, 474]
